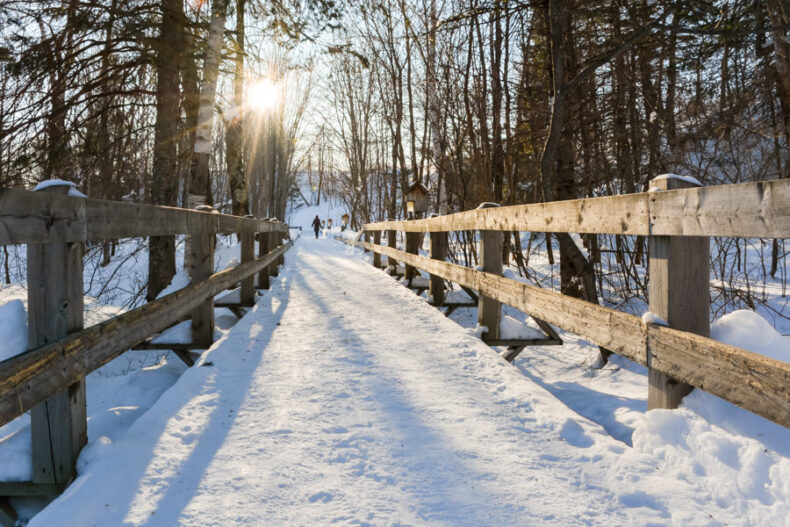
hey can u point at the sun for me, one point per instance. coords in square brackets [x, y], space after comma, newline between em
[262, 94]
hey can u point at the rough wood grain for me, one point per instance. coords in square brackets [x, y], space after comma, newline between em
[31, 377]
[626, 214]
[752, 210]
[202, 262]
[55, 308]
[38, 217]
[679, 293]
[489, 310]
[753, 382]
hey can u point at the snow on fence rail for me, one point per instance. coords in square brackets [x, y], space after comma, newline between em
[677, 222]
[49, 379]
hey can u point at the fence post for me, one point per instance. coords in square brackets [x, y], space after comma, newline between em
[59, 427]
[438, 252]
[274, 242]
[282, 238]
[489, 311]
[392, 242]
[679, 292]
[247, 239]
[263, 250]
[202, 258]
[412, 246]
[377, 256]
[366, 236]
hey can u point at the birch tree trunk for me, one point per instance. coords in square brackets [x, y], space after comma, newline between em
[234, 136]
[200, 187]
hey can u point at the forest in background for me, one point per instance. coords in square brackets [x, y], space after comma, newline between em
[504, 101]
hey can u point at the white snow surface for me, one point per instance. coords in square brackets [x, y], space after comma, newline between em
[54, 182]
[746, 329]
[648, 317]
[687, 179]
[344, 398]
[13, 329]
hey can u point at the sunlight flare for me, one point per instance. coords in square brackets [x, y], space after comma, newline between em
[262, 94]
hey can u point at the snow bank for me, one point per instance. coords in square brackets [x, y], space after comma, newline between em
[741, 459]
[13, 329]
[511, 328]
[746, 329]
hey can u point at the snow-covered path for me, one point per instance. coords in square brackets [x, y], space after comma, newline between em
[343, 398]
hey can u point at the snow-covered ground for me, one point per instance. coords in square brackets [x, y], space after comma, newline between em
[121, 391]
[343, 397]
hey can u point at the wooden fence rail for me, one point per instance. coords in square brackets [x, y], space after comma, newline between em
[49, 379]
[41, 217]
[752, 210]
[675, 358]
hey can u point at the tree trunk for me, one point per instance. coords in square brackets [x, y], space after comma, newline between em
[200, 184]
[161, 259]
[234, 136]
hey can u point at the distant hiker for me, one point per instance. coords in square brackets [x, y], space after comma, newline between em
[316, 225]
[329, 223]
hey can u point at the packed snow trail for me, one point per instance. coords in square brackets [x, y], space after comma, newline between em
[344, 398]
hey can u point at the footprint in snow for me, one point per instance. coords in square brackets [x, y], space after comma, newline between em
[323, 497]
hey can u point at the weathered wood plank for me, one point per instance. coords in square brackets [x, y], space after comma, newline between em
[753, 382]
[31, 377]
[28, 488]
[679, 293]
[627, 214]
[202, 262]
[37, 217]
[489, 310]
[59, 426]
[752, 210]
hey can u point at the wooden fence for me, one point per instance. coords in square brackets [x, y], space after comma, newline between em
[49, 379]
[677, 222]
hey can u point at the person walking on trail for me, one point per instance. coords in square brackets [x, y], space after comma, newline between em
[316, 225]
